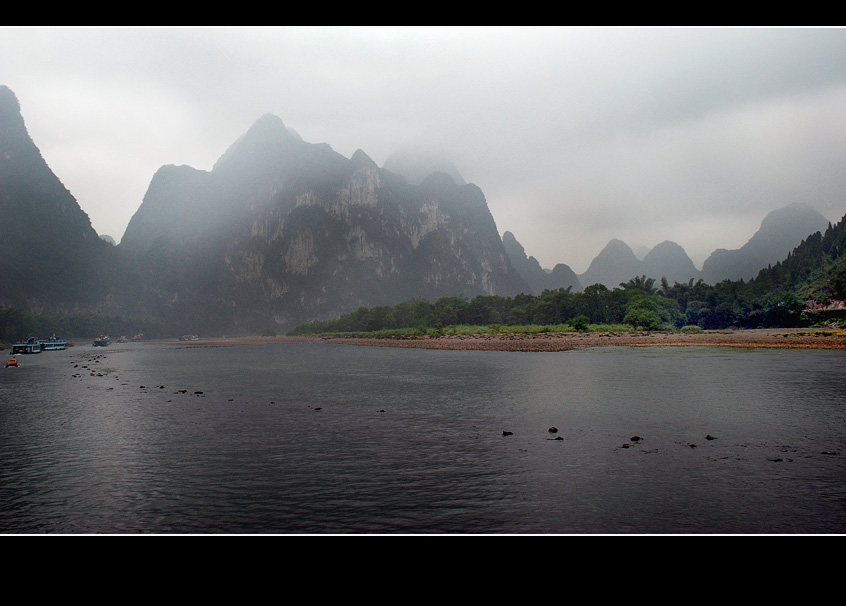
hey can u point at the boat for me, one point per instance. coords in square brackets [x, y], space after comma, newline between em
[35, 345]
[28, 346]
[54, 343]
[102, 341]
[12, 362]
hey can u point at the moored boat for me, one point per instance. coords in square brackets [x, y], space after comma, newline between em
[28, 346]
[54, 343]
[102, 341]
[35, 345]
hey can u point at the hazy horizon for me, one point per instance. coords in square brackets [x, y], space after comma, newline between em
[575, 135]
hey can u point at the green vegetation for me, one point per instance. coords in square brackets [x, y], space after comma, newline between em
[788, 294]
[458, 330]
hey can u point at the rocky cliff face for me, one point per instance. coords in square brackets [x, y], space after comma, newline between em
[52, 258]
[282, 231]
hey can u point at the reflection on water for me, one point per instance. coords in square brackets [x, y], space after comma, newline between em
[339, 439]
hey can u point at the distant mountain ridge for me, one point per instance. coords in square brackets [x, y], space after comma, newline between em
[416, 165]
[780, 232]
[183, 203]
[282, 231]
[52, 257]
[534, 275]
[614, 264]
[669, 260]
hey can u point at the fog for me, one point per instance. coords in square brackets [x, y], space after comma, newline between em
[575, 135]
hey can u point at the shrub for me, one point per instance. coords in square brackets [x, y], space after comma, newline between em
[579, 323]
[643, 318]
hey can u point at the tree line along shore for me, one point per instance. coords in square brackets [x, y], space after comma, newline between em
[806, 290]
[637, 306]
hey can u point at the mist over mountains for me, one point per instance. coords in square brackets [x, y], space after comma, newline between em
[537, 278]
[287, 230]
[776, 237]
[282, 231]
[52, 259]
[416, 165]
[780, 232]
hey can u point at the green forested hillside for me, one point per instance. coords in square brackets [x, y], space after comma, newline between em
[806, 288]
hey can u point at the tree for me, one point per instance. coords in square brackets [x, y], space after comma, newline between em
[838, 281]
[698, 313]
[643, 318]
[641, 283]
[649, 312]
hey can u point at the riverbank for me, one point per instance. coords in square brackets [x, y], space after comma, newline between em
[782, 338]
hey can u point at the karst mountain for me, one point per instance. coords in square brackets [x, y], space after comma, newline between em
[282, 231]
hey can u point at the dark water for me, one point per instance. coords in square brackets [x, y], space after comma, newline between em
[341, 439]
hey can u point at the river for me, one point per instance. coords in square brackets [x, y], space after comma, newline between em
[162, 438]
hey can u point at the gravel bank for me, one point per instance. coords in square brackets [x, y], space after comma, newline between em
[804, 338]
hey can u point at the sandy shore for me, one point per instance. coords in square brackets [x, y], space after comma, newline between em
[784, 338]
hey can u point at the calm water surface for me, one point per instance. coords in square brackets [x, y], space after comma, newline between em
[325, 438]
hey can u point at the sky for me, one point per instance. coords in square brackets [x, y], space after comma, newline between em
[575, 135]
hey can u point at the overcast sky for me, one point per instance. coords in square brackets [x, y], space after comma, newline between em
[575, 135]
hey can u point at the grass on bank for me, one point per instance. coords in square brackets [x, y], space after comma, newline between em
[492, 329]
